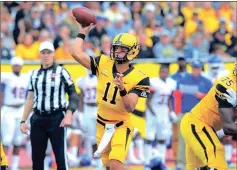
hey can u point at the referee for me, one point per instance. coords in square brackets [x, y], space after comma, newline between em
[47, 97]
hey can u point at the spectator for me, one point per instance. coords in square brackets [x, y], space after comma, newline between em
[64, 33]
[179, 45]
[63, 51]
[23, 12]
[112, 12]
[164, 49]
[191, 25]
[43, 36]
[118, 26]
[99, 30]
[145, 51]
[5, 52]
[197, 47]
[28, 50]
[136, 10]
[219, 37]
[149, 14]
[48, 23]
[188, 10]
[182, 70]
[232, 49]
[8, 41]
[207, 15]
[169, 25]
[69, 22]
[105, 45]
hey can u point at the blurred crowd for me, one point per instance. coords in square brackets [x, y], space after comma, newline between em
[166, 30]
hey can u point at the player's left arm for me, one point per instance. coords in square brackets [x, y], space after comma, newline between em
[227, 111]
[130, 98]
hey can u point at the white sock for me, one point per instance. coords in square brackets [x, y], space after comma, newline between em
[131, 151]
[15, 162]
[228, 152]
[161, 148]
[140, 148]
[148, 153]
[74, 150]
[88, 146]
[47, 160]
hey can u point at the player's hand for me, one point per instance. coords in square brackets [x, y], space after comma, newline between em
[83, 30]
[173, 117]
[118, 81]
[24, 128]
[231, 97]
[67, 120]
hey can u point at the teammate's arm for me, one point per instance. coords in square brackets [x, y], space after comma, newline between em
[77, 50]
[228, 117]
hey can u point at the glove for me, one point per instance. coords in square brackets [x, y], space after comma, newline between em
[173, 117]
[231, 97]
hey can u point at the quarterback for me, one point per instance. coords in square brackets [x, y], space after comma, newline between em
[118, 89]
[215, 112]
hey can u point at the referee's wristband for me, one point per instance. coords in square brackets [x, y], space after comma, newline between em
[82, 36]
[23, 121]
[123, 92]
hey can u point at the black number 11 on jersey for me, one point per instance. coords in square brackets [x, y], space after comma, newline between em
[106, 93]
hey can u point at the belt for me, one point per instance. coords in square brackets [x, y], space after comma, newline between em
[103, 124]
[38, 112]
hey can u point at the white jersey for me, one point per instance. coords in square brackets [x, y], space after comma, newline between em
[15, 88]
[215, 77]
[162, 91]
[88, 85]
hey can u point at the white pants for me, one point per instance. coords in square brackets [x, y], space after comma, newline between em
[158, 126]
[89, 122]
[10, 124]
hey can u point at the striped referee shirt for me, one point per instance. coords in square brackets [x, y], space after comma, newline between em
[50, 87]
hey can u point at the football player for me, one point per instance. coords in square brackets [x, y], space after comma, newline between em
[3, 161]
[118, 89]
[216, 69]
[213, 113]
[159, 112]
[14, 89]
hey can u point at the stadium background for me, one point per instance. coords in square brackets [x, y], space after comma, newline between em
[195, 30]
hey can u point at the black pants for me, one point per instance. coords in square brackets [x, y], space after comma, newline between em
[44, 127]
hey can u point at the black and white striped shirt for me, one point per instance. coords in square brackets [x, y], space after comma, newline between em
[50, 86]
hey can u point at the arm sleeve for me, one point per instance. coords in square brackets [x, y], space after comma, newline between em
[95, 65]
[142, 88]
[220, 98]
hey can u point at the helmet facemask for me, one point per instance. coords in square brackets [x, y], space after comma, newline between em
[116, 58]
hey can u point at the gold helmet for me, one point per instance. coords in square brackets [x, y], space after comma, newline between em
[125, 40]
[235, 69]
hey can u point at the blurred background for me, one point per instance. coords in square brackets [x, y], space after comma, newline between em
[166, 30]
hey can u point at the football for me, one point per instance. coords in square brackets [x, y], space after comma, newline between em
[84, 16]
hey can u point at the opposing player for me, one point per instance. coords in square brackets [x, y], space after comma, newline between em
[214, 112]
[159, 112]
[13, 88]
[118, 89]
[216, 69]
[3, 161]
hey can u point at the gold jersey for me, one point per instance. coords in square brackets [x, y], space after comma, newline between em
[4, 161]
[207, 109]
[110, 106]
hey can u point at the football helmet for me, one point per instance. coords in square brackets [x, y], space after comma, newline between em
[125, 40]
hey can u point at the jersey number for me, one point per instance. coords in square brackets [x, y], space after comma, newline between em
[106, 93]
[227, 81]
[19, 93]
